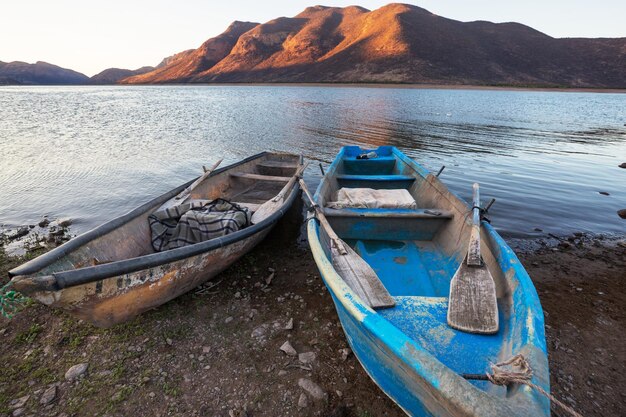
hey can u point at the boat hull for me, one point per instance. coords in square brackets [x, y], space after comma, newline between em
[408, 349]
[110, 274]
[117, 299]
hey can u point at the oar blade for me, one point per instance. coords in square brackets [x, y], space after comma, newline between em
[473, 306]
[265, 210]
[270, 206]
[361, 278]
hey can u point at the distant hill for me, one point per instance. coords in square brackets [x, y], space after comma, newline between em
[395, 43]
[39, 73]
[113, 75]
[186, 65]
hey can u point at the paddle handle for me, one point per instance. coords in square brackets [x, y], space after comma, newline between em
[473, 251]
[292, 181]
[194, 184]
[319, 213]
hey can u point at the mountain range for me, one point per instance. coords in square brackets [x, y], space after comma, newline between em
[397, 43]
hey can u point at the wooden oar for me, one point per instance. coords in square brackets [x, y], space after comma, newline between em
[357, 273]
[182, 196]
[472, 306]
[266, 209]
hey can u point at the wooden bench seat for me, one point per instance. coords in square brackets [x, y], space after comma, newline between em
[278, 164]
[259, 177]
[389, 213]
[375, 181]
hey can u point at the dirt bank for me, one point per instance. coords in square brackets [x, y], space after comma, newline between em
[216, 351]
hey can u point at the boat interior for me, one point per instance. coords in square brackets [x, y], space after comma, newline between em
[249, 183]
[415, 253]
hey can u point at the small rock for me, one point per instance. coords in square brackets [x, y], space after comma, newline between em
[339, 393]
[64, 222]
[622, 213]
[268, 280]
[538, 229]
[565, 245]
[312, 388]
[288, 349]
[22, 231]
[603, 193]
[76, 371]
[19, 402]
[49, 395]
[237, 294]
[228, 320]
[45, 222]
[307, 357]
[206, 349]
[302, 401]
[289, 325]
[345, 353]
[18, 412]
[169, 341]
[282, 372]
[151, 394]
[623, 164]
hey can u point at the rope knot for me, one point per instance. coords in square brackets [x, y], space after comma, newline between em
[514, 370]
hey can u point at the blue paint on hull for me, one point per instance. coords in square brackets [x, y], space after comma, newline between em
[408, 349]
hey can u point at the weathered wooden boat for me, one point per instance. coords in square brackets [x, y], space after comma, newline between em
[407, 346]
[112, 273]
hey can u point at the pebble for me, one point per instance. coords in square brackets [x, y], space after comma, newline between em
[228, 320]
[169, 341]
[288, 349]
[289, 325]
[43, 223]
[282, 372]
[18, 412]
[302, 401]
[307, 357]
[604, 193]
[622, 213]
[76, 371]
[64, 222]
[49, 395]
[19, 402]
[206, 349]
[345, 353]
[312, 388]
[623, 164]
[238, 294]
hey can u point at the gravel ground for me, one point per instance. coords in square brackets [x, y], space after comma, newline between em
[216, 351]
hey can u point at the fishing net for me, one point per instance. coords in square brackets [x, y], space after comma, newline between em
[10, 301]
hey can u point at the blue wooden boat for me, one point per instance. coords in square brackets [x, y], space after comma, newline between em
[408, 348]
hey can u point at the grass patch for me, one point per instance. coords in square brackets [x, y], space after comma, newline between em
[27, 337]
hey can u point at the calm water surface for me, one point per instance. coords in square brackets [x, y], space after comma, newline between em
[93, 153]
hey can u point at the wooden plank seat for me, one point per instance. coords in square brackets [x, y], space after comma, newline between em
[278, 164]
[376, 177]
[389, 213]
[259, 177]
[375, 181]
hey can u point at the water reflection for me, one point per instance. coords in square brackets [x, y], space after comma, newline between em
[92, 153]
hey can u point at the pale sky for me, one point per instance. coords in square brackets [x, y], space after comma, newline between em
[89, 36]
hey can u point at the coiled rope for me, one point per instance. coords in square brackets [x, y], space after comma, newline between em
[504, 374]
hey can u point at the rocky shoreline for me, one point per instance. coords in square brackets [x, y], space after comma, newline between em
[263, 339]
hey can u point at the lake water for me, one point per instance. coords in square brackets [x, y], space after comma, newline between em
[94, 153]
